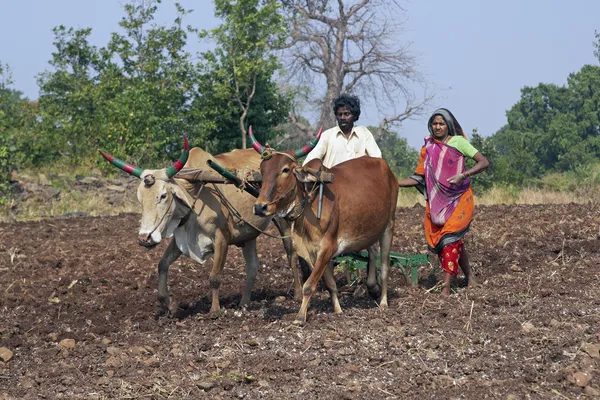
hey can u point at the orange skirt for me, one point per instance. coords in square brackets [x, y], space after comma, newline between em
[458, 223]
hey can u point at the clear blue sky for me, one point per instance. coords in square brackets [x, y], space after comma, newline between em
[478, 54]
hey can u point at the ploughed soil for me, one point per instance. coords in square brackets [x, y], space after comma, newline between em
[79, 318]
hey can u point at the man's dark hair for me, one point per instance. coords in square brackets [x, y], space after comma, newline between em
[352, 102]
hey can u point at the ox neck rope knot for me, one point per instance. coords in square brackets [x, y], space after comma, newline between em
[236, 214]
[306, 197]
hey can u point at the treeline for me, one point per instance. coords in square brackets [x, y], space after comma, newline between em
[552, 129]
[139, 93]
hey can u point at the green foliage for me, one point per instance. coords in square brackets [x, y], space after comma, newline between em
[401, 158]
[13, 117]
[131, 97]
[551, 129]
[597, 45]
[237, 77]
[485, 146]
[136, 96]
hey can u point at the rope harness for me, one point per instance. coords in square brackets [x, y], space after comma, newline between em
[236, 214]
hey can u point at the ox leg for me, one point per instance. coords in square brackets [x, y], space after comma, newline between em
[285, 230]
[372, 285]
[385, 244]
[220, 253]
[171, 254]
[332, 288]
[310, 286]
[249, 250]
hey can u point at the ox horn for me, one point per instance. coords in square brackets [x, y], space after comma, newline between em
[173, 169]
[301, 152]
[255, 143]
[137, 172]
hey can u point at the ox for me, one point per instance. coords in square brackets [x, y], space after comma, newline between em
[203, 220]
[358, 210]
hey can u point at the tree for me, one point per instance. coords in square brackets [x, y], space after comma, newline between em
[239, 72]
[148, 84]
[353, 48]
[401, 158]
[132, 96]
[597, 45]
[68, 108]
[14, 111]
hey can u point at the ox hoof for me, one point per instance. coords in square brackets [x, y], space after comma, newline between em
[244, 304]
[298, 322]
[166, 311]
[375, 292]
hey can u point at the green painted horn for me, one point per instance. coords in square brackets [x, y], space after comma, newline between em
[137, 172]
[301, 152]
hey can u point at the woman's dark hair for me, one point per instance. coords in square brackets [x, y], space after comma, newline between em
[347, 100]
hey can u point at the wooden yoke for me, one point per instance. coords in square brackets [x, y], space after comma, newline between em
[209, 175]
[250, 176]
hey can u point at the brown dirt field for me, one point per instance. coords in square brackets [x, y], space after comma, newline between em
[530, 330]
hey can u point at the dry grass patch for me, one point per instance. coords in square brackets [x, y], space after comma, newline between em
[508, 195]
[88, 203]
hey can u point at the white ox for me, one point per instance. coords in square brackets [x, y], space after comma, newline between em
[200, 222]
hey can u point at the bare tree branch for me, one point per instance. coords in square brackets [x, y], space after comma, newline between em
[354, 47]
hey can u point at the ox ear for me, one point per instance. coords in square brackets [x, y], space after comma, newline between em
[306, 175]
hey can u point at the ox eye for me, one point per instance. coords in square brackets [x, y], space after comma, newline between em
[163, 196]
[285, 170]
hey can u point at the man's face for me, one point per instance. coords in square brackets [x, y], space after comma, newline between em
[344, 117]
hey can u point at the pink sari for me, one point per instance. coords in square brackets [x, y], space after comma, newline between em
[441, 163]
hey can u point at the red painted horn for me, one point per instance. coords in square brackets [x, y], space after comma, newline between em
[255, 143]
[173, 169]
[301, 152]
[137, 172]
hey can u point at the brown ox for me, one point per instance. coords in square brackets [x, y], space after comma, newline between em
[201, 223]
[357, 211]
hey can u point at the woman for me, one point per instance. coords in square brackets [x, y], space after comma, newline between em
[443, 178]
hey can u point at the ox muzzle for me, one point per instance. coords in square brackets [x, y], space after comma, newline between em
[146, 240]
[260, 209]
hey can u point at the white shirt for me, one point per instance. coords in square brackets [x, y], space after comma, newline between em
[333, 147]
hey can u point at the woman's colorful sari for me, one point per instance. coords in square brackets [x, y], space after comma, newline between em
[449, 208]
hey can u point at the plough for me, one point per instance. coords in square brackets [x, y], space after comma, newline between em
[250, 181]
[407, 263]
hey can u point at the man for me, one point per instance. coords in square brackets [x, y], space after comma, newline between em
[345, 141]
